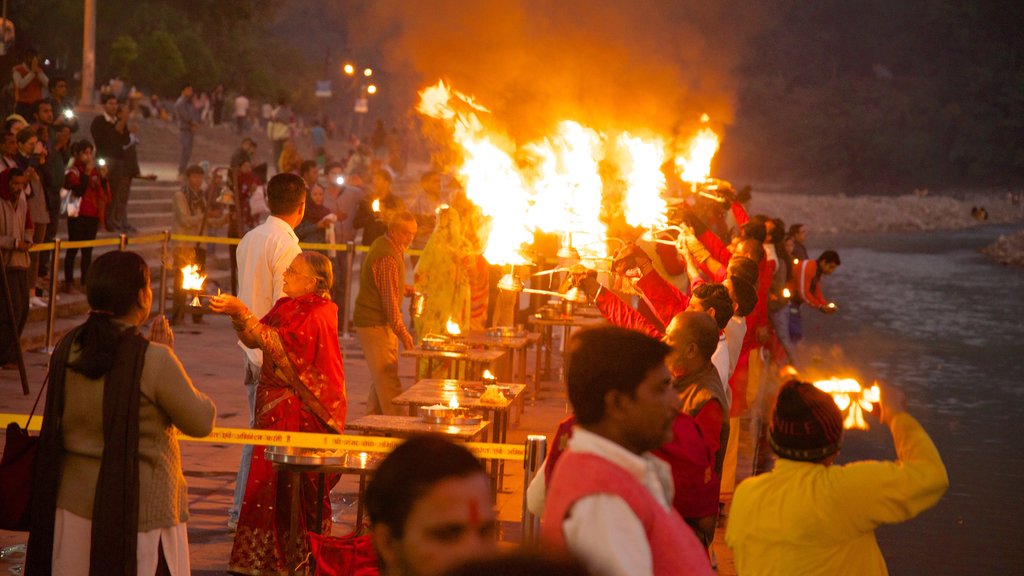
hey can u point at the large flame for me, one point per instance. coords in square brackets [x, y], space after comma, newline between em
[645, 182]
[191, 280]
[555, 184]
[851, 398]
[694, 164]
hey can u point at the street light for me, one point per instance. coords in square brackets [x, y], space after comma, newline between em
[367, 72]
[371, 89]
[349, 69]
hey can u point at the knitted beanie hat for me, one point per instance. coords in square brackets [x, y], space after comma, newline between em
[806, 424]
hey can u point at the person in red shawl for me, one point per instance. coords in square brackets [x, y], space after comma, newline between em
[301, 389]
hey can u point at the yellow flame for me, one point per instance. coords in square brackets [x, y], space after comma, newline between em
[695, 164]
[645, 182]
[190, 278]
[453, 403]
[363, 457]
[376, 205]
[786, 293]
[452, 327]
[851, 398]
[488, 375]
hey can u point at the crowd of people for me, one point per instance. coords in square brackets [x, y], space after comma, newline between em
[700, 315]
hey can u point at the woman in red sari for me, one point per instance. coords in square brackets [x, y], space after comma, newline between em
[301, 389]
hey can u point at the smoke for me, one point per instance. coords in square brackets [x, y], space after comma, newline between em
[647, 65]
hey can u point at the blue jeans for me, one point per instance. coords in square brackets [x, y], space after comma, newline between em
[186, 137]
[252, 377]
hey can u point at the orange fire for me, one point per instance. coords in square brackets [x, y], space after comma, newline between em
[191, 280]
[851, 398]
[555, 184]
[453, 403]
[452, 327]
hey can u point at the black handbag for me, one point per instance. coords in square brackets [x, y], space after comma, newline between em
[16, 467]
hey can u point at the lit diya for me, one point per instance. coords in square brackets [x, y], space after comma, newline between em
[852, 399]
[450, 415]
[192, 282]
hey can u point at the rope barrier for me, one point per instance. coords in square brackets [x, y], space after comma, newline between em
[158, 238]
[482, 450]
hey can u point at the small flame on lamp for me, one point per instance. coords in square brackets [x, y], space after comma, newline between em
[786, 293]
[362, 459]
[488, 375]
[796, 261]
[452, 328]
[453, 403]
[376, 205]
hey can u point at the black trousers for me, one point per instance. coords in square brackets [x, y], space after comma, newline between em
[11, 328]
[80, 228]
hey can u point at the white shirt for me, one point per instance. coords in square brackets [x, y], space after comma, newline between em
[241, 106]
[603, 530]
[735, 330]
[721, 360]
[263, 255]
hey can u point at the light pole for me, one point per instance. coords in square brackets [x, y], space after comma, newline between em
[362, 89]
[88, 54]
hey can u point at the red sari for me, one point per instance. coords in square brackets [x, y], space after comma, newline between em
[301, 389]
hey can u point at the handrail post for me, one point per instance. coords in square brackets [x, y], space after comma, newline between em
[346, 289]
[163, 271]
[51, 319]
[536, 450]
[124, 242]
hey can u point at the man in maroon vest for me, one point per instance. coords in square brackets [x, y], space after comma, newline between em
[609, 500]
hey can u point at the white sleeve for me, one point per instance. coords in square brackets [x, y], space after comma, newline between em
[603, 531]
[285, 253]
[536, 493]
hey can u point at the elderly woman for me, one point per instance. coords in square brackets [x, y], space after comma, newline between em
[301, 389]
[109, 496]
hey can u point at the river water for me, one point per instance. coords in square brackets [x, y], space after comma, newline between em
[928, 313]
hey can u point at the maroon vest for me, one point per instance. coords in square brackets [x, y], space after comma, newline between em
[674, 547]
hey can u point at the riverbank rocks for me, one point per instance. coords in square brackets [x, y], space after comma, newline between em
[832, 214]
[1008, 249]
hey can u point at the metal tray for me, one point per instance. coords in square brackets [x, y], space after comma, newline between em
[304, 456]
[439, 345]
[505, 332]
[448, 416]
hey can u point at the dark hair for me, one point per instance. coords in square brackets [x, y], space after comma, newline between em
[26, 134]
[81, 146]
[754, 229]
[39, 104]
[185, 85]
[285, 193]
[249, 140]
[608, 358]
[194, 169]
[106, 98]
[778, 232]
[715, 296]
[306, 165]
[112, 288]
[743, 267]
[830, 257]
[54, 80]
[332, 166]
[409, 471]
[746, 296]
[795, 229]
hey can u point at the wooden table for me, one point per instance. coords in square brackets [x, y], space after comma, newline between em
[403, 426]
[466, 364]
[515, 345]
[438, 391]
[546, 326]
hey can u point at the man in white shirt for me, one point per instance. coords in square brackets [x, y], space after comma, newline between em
[241, 112]
[263, 255]
[609, 500]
